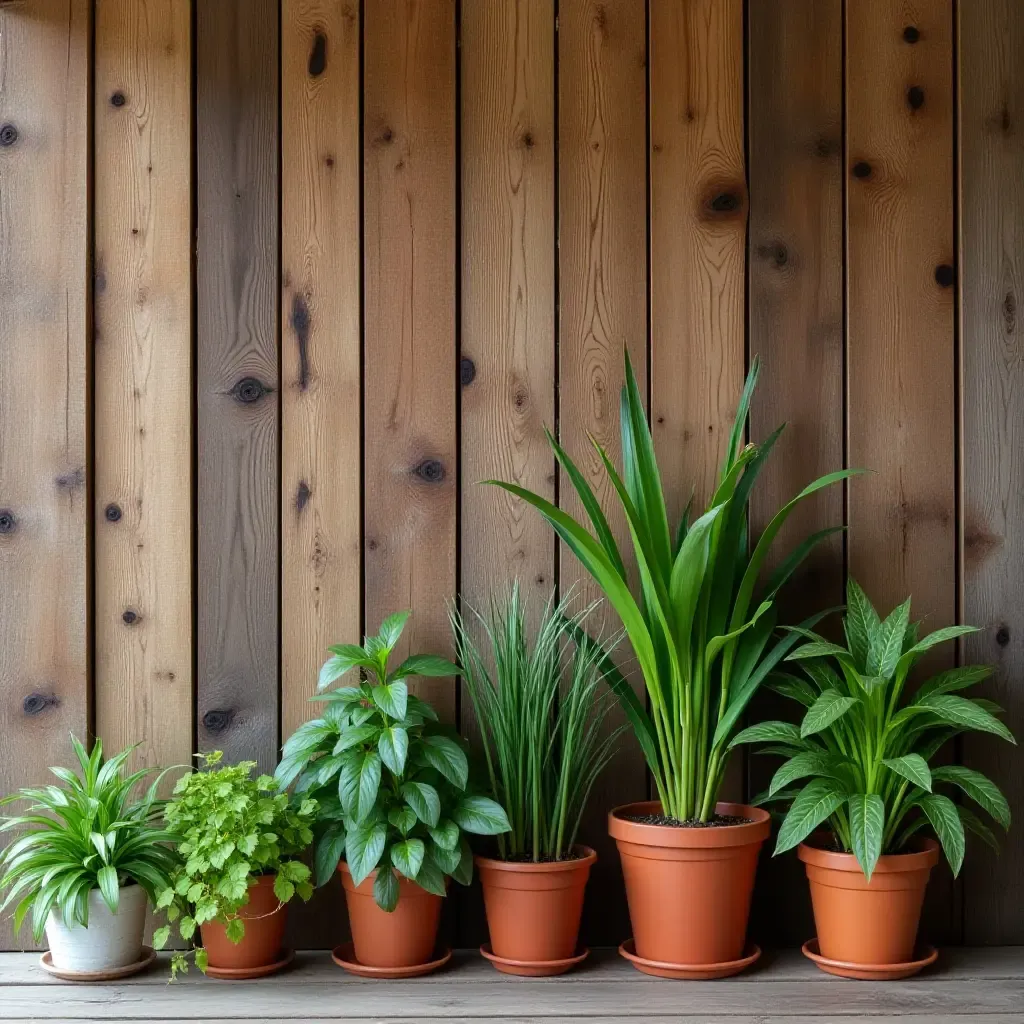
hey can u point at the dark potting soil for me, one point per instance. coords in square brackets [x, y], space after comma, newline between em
[718, 821]
[525, 858]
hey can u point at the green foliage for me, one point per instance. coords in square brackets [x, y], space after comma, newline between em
[85, 834]
[866, 748]
[389, 781]
[703, 644]
[230, 829]
[542, 740]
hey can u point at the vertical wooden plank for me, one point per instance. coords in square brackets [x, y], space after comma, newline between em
[143, 378]
[900, 354]
[602, 269]
[410, 445]
[44, 117]
[320, 299]
[698, 247]
[795, 72]
[238, 389]
[992, 268]
[508, 295]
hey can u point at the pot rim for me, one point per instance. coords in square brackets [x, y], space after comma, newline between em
[586, 859]
[407, 888]
[925, 857]
[754, 831]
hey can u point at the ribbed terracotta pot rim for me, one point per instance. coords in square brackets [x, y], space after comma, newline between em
[756, 830]
[586, 858]
[406, 887]
[921, 859]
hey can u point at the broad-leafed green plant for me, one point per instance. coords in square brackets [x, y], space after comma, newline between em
[865, 745]
[85, 834]
[702, 641]
[540, 707]
[230, 829]
[390, 782]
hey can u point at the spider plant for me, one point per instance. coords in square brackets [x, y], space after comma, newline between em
[86, 834]
[702, 643]
[542, 740]
[866, 749]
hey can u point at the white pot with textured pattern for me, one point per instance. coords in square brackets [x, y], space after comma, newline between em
[111, 940]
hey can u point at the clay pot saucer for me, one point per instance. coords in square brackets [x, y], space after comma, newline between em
[691, 972]
[927, 955]
[145, 960]
[536, 969]
[345, 957]
[259, 971]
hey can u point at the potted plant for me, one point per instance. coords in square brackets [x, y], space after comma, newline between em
[857, 767]
[241, 843]
[543, 747]
[390, 785]
[703, 646]
[87, 860]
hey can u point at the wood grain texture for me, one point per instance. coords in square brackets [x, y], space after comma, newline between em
[992, 399]
[602, 271]
[44, 117]
[410, 373]
[321, 345]
[698, 210]
[794, 129]
[143, 378]
[900, 343]
[698, 233]
[238, 388]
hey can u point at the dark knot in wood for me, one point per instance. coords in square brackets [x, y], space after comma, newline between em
[318, 56]
[725, 202]
[71, 480]
[302, 496]
[911, 34]
[8, 523]
[527, 140]
[1010, 312]
[430, 471]
[775, 253]
[915, 97]
[118, 99]
[36, 703]
[8, 135]
[384, 136]
[217, 719]
[467, 371]
[301, 320]
[944, 275]
[129, 617]
[862, 169]
[249, 390]
[1002, 636]
[112, 513]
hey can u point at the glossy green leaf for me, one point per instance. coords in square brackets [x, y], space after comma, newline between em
[942, 813]
[867, 826]
[827, 709]
[912, 767]
[982, 790]
[815, 803]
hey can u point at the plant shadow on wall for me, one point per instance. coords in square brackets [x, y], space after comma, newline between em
[540, 704]
[865, 745]
[704, 646]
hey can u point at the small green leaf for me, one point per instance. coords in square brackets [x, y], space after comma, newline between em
[867, 826]
[385, 889]
[817, 649]
[403, 818]
[448, 758]
[813, 805]
[363, 848]
[424, 801]
[810, 762]
[481, 815]
[235, 930]
[942, 813]
[982, 790]
[106, 879]
[393, 746]
[887, 646]
[861, 623]
[431, 878]
[446, 835]
[391, 630]
[912, 767]
[769, 732]
[329, 851]
[962, 712]
[447, 860]
[284, 888]
[407, 856]
[392, 699]
[829, 707]
[430, 666]
[463, 874]
[160, 936]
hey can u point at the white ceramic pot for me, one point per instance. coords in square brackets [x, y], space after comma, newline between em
[111, 940]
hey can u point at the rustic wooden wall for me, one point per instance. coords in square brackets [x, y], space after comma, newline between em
[282, 280]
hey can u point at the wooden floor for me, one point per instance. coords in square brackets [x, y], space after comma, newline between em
[979, 986]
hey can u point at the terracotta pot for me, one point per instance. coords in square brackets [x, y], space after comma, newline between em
[689, 889]
[405, 937]
[533, 910]
[264, 916]
[862, 922]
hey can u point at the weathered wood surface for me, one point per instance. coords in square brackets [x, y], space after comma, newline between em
[795, 76]
[900, 315]
[602, 290]
[44, 285]
[142, 365]
[992, 265]
[410, 463]
[237, 378]
[969, 984]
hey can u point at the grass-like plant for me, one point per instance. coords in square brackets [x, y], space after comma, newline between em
[390, 781]
[88, 833]
[702, 642]
[230, 829]
[865, 745]
[542, 738]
